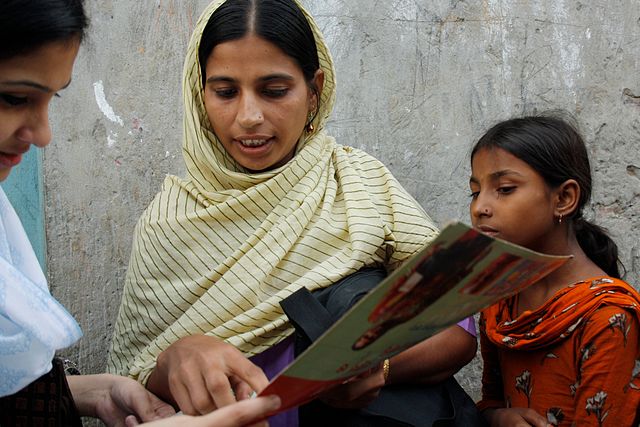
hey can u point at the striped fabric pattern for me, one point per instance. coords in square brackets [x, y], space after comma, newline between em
[215, 252]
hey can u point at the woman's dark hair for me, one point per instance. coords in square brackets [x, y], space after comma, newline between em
[555, 150]
[279, 21]
[26, 25]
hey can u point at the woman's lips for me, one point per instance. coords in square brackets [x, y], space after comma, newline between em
[9, 160]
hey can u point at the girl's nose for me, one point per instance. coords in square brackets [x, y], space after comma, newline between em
[480, 207]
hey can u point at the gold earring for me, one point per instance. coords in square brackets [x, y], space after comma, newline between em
[310, 118]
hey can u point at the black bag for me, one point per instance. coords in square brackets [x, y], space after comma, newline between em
[441, 405]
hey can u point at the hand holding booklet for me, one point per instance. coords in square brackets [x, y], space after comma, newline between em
[458, 274]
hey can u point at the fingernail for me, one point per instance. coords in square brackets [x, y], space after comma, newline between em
[274, 401]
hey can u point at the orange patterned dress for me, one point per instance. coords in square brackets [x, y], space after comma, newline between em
[575, 360]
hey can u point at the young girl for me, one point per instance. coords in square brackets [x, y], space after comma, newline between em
[566, 350]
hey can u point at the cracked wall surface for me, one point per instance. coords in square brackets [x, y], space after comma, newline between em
[418, 82]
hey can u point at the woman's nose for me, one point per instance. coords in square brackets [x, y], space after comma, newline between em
[36, 130]
[249, 113]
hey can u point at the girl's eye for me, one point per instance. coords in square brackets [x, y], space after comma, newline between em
[275, 92]
[506, 189]
[13, 100]
[225, 93]
[474, 194]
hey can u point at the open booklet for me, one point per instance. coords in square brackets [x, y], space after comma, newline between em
[456, 275]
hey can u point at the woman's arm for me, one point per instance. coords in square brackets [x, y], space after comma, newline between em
[200, 373]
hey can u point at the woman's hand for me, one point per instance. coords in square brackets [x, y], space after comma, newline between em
[117, 401]
[357, 392]
[515, 417]
[235, 415]
[201, 373]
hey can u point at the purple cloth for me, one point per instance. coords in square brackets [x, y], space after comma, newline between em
[469, 325]
[272, 362]
[278, 357]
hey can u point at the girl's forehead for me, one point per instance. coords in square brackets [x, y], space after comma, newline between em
[496, 162]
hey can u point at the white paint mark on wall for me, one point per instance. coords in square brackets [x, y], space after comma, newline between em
[112, 138]
[98, 89]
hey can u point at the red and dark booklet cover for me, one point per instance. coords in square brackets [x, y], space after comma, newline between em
[456, 275]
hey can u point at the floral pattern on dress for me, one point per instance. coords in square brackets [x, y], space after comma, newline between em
[555, 416]
[635, 375]
[588, 328]
[524, 384]
[547, 357]
[596, 406]
[619, 321]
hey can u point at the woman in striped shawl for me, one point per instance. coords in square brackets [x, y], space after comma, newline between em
[271, 203]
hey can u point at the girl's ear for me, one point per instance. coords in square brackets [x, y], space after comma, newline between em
[567, 198]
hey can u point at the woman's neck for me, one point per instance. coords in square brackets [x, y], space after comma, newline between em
[579, 267]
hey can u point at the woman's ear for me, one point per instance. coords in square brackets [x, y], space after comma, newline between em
[567, 198]
[317, 83]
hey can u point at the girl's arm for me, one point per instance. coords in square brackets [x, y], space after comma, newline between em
[428, 362]
[434, 359]
[115, 399]
[609, 361]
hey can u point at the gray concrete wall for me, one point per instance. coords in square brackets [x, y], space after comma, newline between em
[418, 82]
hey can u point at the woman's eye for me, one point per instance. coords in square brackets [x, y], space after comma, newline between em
[225, 93]
[275, 92]
[474, 194]
[13, 100]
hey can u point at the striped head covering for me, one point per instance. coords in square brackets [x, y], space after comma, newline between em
[215, 252]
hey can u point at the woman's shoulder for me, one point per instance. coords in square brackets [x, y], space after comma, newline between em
[360, 160]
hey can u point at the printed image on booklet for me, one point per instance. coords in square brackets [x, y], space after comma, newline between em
[458, 274]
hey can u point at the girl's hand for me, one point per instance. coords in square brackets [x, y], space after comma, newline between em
[515, 417]
[235, 415]
[117, 401]
[357, 392]
[201, 373]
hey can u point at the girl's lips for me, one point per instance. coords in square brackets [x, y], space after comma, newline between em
[488, 230]
[9, 160]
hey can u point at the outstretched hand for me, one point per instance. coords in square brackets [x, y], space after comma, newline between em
[201, 373]
[248, 412]
[117, 401]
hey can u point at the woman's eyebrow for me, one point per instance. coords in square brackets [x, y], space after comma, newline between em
[276, 76]
[32, 84]
[267, 78]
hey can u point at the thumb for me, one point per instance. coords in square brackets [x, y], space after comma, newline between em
[131, 421]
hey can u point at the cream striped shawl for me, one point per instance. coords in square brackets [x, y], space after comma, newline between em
[215, 252]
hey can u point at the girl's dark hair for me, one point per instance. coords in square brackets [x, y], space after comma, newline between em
[26, 25]
[555, 150]
[279, 21]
